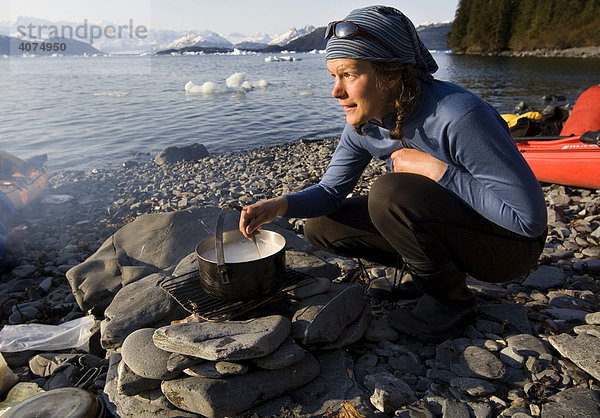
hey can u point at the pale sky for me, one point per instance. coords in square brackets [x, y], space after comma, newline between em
[221, 16]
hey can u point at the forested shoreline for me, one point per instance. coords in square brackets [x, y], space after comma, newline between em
[495, 26]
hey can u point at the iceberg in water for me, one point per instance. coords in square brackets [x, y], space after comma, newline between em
[272, 58]
[234, 83]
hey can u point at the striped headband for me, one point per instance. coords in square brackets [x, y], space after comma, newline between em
[392, 29]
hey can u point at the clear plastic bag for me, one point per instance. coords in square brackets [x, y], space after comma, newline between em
[72, 334]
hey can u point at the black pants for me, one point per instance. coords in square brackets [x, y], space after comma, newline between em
[413, 217]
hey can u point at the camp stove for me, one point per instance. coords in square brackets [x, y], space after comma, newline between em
[188, 292]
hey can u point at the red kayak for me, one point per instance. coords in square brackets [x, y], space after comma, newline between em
[564, 160]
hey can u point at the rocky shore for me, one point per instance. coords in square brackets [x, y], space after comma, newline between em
[534, 350]
[580, 52]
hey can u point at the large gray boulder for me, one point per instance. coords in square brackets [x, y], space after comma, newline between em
[170, 155]
[152, 243]
[234, 394]
[139, 305]
[150, 403]
[322, 318]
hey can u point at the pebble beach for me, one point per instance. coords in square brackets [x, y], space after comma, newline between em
[533, 351]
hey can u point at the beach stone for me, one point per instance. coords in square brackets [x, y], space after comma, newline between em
[335, 385]
[489, 290]
[418, 409]
[593, 265]
[144, 358]
[388, 392]
[514, 315]
[230, 396]
[152, 243]
[455, 409]
[131, 384]
[409, 363]
[593, 318]
[287, 354]
[472, 386]
[171, 155]
[527, 345]
[511, 357]
[572, 402]
[145, 404]
[545, 277]
[139, 305]
[583, 350]
[352, 333]
[566, 314]
[180, 362]
[379, 330]
[232, 341]
[216, 370]
[310, 287]
[47, 284]
[478, 363]
[593, 330]
[441, 375]
[591, 252]
[489, 327]
[188, 264]
[480, 409]
[322, 318]
[309, 264]
[23, 271]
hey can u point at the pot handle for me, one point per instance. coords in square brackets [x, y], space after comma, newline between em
[221, 266]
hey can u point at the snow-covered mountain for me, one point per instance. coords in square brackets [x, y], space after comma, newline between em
[204, 38]
[291, 34]
[258, 38]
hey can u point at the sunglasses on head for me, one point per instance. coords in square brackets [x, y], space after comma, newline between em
[344, 29]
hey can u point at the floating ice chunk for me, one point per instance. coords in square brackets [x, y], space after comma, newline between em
[272, 58]
[212, 88]
[207, 88]
[235, 83]
[112, 93]
[261, 83]
[192, 88]
[235, 80]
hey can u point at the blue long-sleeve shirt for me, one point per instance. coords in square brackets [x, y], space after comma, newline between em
[485, 168]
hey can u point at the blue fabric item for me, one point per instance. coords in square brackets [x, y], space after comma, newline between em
[485, 168]
[393, 29]
[3, 239]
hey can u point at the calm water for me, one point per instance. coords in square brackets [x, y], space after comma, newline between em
[99, 112]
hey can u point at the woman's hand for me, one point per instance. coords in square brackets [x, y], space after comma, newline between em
[255, 215]
[408, 160]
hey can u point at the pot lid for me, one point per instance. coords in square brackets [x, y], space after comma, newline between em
[59, 403]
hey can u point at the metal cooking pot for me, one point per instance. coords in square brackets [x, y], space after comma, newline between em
[239, 280]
